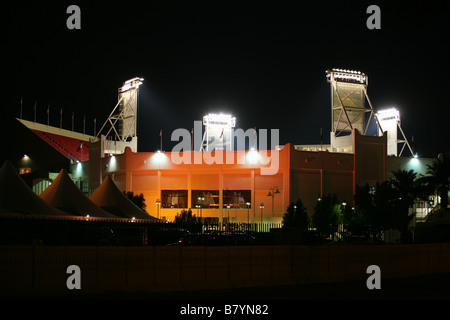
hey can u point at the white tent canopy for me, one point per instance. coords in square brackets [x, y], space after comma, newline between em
[65, 195]
[17, 197]
[111, 199]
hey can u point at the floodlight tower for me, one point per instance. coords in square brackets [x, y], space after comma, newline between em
[128, 103]
[348, 106]
[389, 120]
[218, 132]
[123, 118]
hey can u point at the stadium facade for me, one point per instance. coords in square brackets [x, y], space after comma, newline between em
[218, 182]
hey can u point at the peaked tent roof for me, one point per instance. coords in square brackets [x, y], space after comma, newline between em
[111, 199]
[17, 197]
[65, 195]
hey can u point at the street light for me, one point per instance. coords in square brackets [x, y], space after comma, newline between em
[262, 208]
[158, 204]
[201, 198]
[248, 212]
[198, 210]
[272, 192]
[344, 204]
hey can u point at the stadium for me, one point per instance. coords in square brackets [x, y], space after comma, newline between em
[221, 173]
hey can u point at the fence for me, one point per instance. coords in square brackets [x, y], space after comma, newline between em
[21, 229]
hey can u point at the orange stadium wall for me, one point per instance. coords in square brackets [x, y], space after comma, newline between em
[304, 175]
[152, 173]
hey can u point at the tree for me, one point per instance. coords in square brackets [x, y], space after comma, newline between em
[296, 216]
[355, 221]
[138, 200]
[373, 207]
[327, 215]
[185, 216]
[405, 190]
[387, 205]
[438, 178]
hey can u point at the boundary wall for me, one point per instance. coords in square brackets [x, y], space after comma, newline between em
[41, 270]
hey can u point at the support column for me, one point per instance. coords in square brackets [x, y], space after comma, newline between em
[253, 198]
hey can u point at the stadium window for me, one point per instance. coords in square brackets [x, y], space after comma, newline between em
[205, 198]
[174, 198]
[24, 170]
[84, 186]
[236, 199]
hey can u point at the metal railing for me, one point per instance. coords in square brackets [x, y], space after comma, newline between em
[39, 230]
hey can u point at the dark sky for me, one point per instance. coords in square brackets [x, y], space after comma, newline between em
[264, 62]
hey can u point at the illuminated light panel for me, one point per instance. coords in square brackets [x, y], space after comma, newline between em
[345, 75]
[252, 156]
[388, 120]
[214, 119]
[388, 114]
[158, 158]
[131, 84]
[218, 131]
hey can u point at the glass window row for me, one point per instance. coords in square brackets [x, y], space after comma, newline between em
[209, 199]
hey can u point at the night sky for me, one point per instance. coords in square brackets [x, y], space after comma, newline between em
[263, 62]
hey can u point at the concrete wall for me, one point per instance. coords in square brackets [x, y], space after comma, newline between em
[370, 158]
[41, 270]
[317, 174]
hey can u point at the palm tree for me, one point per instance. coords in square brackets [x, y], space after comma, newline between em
[438, 179]
[405, 190]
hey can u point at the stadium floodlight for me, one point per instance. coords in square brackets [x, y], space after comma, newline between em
[122, 121]
[219, 119]
[345, 75]
[131, 84]
[389, 120]
[388, 114]
[348, 106]
[218, 131]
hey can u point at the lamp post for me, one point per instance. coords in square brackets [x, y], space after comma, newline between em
[262, 208]
[344, 204]
[272, 192]
[158, 204]
[248, 213]
[198, 210]
[201, 198]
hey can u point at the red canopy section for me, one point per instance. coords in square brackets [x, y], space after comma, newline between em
[72, 148]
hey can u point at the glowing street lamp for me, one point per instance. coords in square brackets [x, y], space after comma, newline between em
[201, 198]
[158, 204]
[262, 208]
